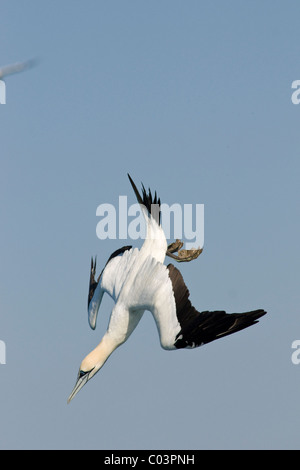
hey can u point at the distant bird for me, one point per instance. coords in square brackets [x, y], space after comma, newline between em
[16, 68]
[137, 280]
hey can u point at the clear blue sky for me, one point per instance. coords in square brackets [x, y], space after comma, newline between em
[194, 99]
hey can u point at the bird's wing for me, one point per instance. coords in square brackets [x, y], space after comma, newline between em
[199, 328]
[155, 242]
[15, 68]
[95, 295]
[164, 292]
[106, 282]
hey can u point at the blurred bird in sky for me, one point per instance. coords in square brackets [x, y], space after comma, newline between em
[16, 68]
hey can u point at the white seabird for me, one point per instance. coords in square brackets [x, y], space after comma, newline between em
[137, 280]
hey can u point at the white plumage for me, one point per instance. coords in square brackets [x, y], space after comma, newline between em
[137, 280]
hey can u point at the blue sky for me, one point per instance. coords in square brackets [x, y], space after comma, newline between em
[193, 99]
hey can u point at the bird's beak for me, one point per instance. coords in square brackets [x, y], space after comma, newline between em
[82, 379]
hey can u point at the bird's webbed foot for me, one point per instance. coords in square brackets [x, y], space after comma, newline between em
[182, 255]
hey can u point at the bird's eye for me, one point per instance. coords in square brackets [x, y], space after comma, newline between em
[82, 373]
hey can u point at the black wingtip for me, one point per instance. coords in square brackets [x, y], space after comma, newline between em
[138, 196]
[93, 282]
[258, 313]
[147, 200]
[93, 265]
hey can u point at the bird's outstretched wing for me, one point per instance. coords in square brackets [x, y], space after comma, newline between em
[97, 288]
[95, 295]
[199, 328]
[162, 290]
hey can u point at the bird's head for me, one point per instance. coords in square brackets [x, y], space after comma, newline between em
[88, 368]
[91, 364]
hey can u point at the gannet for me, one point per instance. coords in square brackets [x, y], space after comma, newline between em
[138, 280]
